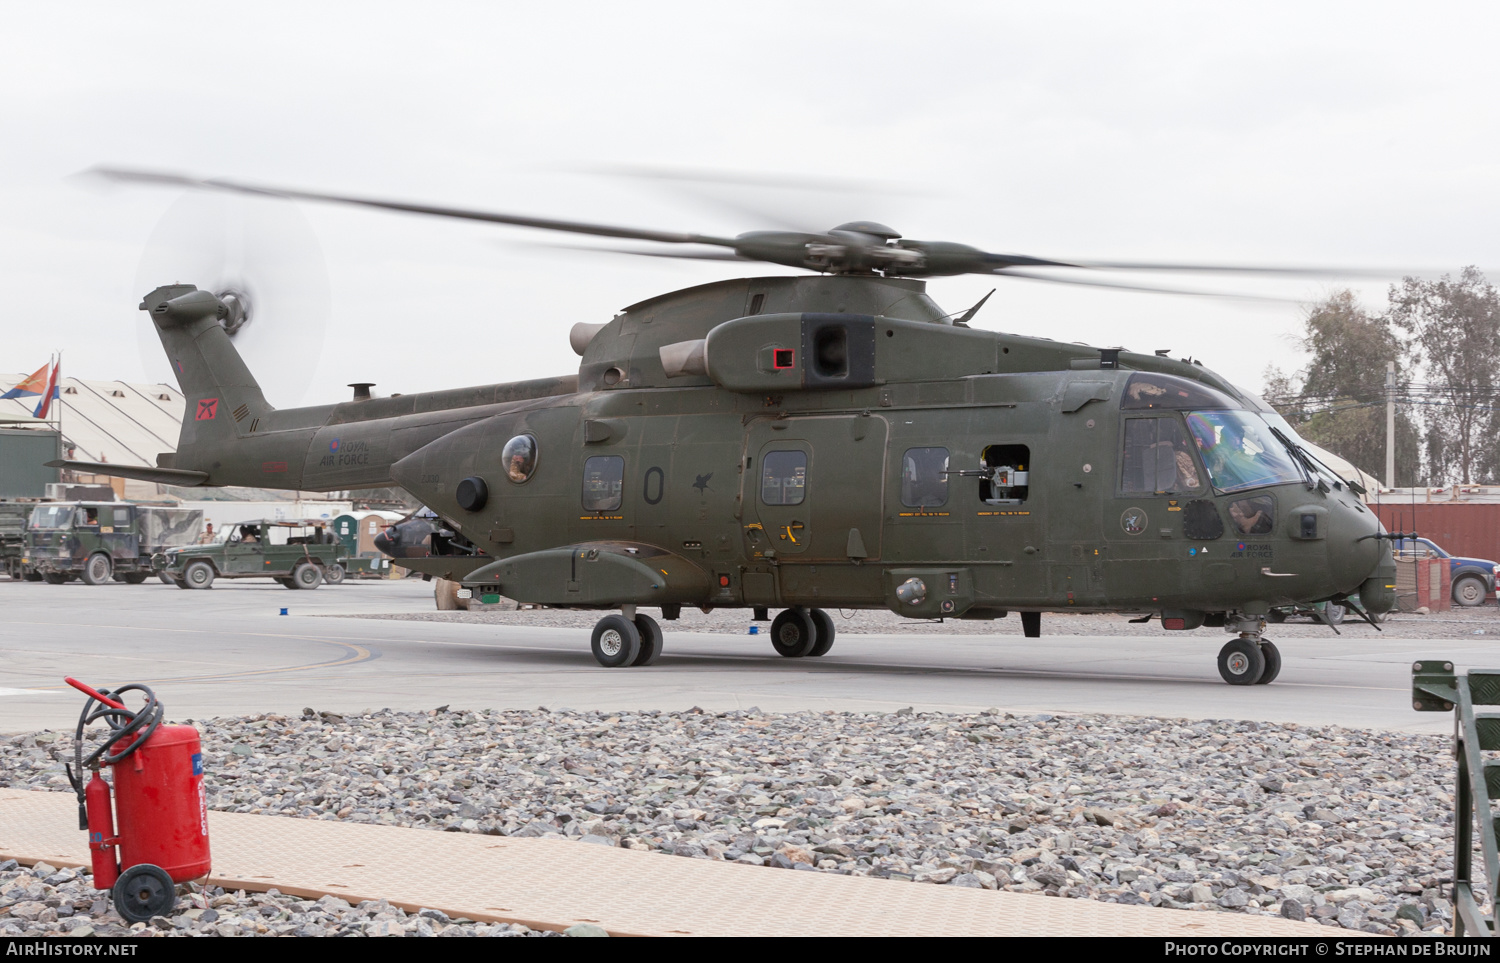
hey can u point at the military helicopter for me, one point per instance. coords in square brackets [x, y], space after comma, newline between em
[811, 442]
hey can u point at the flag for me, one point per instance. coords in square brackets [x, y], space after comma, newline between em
[34, 384]
[41, 382]
[45, 405]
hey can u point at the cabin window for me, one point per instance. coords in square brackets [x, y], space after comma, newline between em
[924, 477]
[783, 478]
[122, 517]
[1157, 457]
[603, 483]
[1005, 474]
[87, 516]
[519, 458]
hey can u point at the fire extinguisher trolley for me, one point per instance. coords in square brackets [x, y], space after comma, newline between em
[158, 822]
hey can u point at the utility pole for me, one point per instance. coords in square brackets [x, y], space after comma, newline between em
[1390, 424]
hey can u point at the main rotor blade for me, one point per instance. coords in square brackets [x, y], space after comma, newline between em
[639, 252]
[1145, 289]
[546, 224]
[1270, 270]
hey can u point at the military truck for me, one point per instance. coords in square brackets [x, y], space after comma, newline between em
[298, 554]
[100, 541]
[13, 518]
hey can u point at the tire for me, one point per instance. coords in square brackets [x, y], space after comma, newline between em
[334, 574]
[1469, 591]
[1335, 613]
[616, 641]
[166, 578]
[1276, 615]
[307, 576]
[54, 578]
[824, 632]
[198, 575]
[98, 569]
[651, 640]
[1273, 663]
[287, 583]
[31, 576]
[792, 634]
[179, 582]
[134, 578]
[144, 891]
[1241, 662]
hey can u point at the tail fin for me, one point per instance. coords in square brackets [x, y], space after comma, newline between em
[224, 401]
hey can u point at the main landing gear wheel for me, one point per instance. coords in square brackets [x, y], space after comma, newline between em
[823, 628]
[616, 641]
[1273, 663]
[144, 891]
[651, 640]
[793, 634]
[1241, 662]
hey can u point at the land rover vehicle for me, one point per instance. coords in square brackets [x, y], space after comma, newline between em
[100, 541]
[298, 554]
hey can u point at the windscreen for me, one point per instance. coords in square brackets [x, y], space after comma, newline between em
[52, 518]
[1240, 451]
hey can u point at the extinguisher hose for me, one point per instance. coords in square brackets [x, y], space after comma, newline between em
[129, 728]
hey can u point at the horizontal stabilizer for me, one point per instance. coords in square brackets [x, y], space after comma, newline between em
[162, 476]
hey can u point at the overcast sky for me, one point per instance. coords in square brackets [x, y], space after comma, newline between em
[1345, 134]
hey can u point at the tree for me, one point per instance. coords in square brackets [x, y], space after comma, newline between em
[1452, 330]
[1338, 400]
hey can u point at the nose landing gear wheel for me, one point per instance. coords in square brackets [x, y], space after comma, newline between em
[144, 891]
[823, 627]
[1241, 662]
[793, 634]
[616, 641]
[1273, 663]
[651, 640]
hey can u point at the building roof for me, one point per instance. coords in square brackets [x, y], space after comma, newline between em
[109, 421]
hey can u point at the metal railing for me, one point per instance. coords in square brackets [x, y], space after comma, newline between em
[1436, 688]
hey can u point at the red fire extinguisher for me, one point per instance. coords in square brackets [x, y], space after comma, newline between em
[159, 818]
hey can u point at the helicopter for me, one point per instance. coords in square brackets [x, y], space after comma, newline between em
[805, 442]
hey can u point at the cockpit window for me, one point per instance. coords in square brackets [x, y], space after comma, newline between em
[924, 478]
[1145, 390]
[1158, 457]
[1240, 451]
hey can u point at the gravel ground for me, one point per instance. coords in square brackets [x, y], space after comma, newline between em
[46, 901]
[1484, 620]
[1349, 827]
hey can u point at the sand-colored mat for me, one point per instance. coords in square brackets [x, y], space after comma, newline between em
[554, 883]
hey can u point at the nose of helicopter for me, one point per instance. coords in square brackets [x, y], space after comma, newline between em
[1353, 555]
